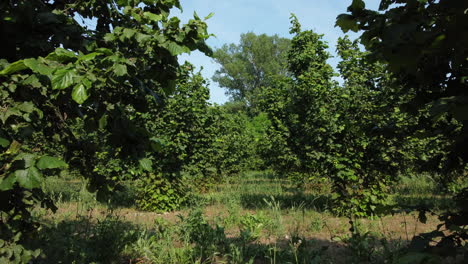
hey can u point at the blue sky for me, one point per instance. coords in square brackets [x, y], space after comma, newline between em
[234, 17]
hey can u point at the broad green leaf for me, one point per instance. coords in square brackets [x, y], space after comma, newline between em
[146, 164]
[38, 67]
[4, 142]
[14, 67]
[48, 162]
[89, 56]
[122, 3]
[120, 69]
[358, 5]
[152, 17]
[28, 158]
[105, 51]
[26, 107]
[109, 37]
[103, 122]
[29, 178]
[14, 147]
[128, 33]
[63, 79]
[346, 23]
[79, 93]
[7, 183]
[175, 49]
[12, 111]
[142, 37]
[62, 55]
[33, 81]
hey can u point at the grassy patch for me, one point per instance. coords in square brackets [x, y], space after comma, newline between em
[251, 218]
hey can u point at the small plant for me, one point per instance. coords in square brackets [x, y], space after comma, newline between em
[237, 255]
[209, 241]
[361, 244]
[251, 227]
[316, 223]
[275, 225]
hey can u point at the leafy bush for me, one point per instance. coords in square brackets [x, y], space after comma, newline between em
[160, 193]
[208, 240]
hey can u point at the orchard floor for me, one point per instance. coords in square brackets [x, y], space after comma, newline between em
[251, 219]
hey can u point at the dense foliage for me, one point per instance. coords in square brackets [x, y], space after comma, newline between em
[248, 66]
[424, 44]
[74, 94]
[355, 134]
[322, 129]
[110, 103]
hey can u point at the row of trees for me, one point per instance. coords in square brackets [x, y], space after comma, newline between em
[110, 102]
[401, 108]
[359, 134]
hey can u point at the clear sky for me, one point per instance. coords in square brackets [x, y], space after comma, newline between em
[234, 17]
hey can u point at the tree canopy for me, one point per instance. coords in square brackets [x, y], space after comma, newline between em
[70, 96]
[248, 66]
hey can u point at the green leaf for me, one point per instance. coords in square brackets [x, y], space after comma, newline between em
[146, 164]
[4, 142]
[358, 5]
[28, 158]
[14, 147]
[26, 107]
[175, 49]
[89, 56]
[79, 93]
[157, 144]
[104, 51]
[7, 183]
[128, 33]
[62, 55]
[38, 67]
[103, 122]
[152, 17]
[63, 79]
[346, 23]
[48, 162]
[109, 37]
[142, 37]
[209, 16]
[120, 69]
[29, 178]
[14, 67]
[12, 111]
[33, 81]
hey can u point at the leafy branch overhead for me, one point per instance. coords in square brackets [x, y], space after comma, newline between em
[67, 87]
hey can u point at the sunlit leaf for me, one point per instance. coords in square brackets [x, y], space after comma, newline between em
[63, 79]
[29, 178]
[48, 162]
[14, 67]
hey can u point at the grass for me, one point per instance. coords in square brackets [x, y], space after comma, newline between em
[254, 218]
